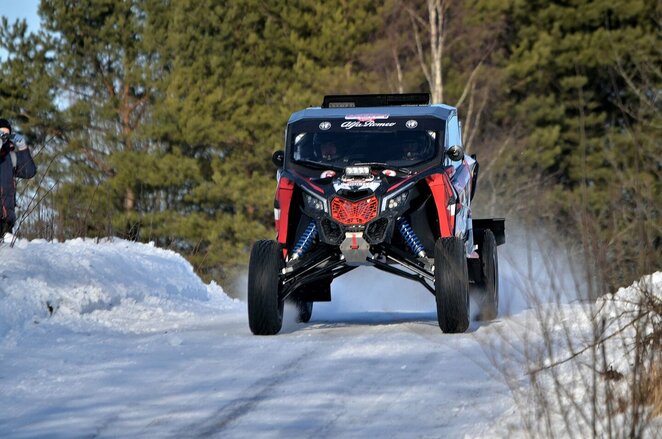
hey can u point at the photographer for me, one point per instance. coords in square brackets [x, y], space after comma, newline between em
[15, 161]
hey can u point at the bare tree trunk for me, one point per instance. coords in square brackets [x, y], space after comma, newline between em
[436, 31]
[398, 69]
[436, 18]
[125, 117]
[416, 20]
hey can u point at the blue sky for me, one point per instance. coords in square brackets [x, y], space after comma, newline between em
[18, 9]
[13, 9]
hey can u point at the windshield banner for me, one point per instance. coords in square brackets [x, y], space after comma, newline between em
[370, 122]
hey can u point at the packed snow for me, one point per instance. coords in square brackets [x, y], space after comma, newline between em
[112, 338]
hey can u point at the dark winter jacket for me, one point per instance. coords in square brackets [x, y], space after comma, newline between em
[25, 168]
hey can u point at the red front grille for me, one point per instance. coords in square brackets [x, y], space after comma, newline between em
[354, 212]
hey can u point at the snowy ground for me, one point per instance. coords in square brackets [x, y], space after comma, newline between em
[117, 339]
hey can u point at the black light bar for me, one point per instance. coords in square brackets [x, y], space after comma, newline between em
[376, 100]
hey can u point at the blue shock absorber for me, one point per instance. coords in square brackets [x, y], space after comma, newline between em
[305, 241]
[410, 238]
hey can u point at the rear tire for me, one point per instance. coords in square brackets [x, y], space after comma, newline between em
[304, 311]
[306, 295]
[489, 279]
[451, 285]
[265, 307]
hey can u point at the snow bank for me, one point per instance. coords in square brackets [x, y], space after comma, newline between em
[118, 339]
[572, 368]
[85, 280]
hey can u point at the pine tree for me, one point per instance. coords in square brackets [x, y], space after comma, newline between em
[104, 75]
[236, 72]
[595, 169]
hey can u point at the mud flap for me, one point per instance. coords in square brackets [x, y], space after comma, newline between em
[496, 225]
[319, 291]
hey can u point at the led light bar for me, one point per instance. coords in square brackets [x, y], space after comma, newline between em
[357, 171]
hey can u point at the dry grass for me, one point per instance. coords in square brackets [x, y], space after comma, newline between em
[655, 390]
[582, 368]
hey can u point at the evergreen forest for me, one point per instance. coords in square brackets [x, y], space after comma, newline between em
[155, 120]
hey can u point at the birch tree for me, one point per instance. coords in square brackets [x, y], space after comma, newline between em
[441, 34]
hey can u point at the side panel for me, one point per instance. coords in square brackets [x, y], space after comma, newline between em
[444, 199]
[282, 209]
[461, 180]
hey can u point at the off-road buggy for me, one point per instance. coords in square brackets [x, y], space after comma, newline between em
[377, 180]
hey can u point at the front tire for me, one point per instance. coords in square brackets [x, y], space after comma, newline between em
[265, 307]
[451, 285]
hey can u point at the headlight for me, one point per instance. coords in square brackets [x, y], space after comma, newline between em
[314, 203]
[395, 201]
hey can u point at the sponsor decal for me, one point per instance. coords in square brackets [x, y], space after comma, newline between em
[348, 125]
[367, 120]
[411, 124]
[366, 117]
[325, 126]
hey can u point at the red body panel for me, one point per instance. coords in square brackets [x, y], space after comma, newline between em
[284, 199]
[442, 191]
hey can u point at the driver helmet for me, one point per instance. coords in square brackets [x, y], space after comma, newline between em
[412, 147]
[327, 148]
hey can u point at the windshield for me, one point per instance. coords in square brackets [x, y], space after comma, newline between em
[397, 148]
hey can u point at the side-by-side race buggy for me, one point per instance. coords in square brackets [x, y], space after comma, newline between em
[377, 180]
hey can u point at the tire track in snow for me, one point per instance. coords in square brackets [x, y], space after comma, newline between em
[237, 413]
[352, 369]
[352, 410]
[446, 352]
[235, 410]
